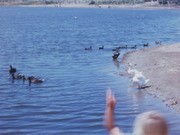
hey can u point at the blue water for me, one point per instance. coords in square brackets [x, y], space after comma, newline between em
[50, 42]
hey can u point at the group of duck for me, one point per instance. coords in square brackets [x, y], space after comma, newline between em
[18, 76]
[116, 51]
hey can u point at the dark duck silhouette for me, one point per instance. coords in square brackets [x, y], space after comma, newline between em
[90, 48]
[115, 55]
[158, 42]
[33, 79]
[29, 79]
[117, 49]
[133, 47]
[146, 45]
[12, 70]
[18, 76]
[124, 47]
[101, 48]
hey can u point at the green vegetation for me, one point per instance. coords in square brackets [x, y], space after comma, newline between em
[90, 2]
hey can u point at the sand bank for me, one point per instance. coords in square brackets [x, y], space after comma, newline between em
[162, 66]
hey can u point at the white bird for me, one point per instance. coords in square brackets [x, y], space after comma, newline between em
[131, 71]
[139, 80]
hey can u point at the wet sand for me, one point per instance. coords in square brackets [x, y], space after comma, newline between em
[162, 66]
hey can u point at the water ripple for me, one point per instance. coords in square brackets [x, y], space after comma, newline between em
[49, 43]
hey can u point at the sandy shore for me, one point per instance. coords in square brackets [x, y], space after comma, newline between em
[162, 66]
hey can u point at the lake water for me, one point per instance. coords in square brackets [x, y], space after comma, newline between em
[50, 42]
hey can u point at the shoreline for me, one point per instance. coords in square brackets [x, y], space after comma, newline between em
[147, 5]
[161, 65]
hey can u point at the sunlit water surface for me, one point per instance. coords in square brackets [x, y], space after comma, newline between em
[50, 42]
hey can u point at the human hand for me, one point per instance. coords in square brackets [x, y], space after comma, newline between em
[109, 114]
[110, 100]
[110, 107]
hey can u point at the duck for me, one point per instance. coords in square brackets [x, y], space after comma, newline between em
[37, 80]
[124, 47]
[90, 48]
[115, 55]
[33, 79]
[12, 70]
[117, 49]
[18, 76]
[158, 42]
[133, 47]
[101, 48]
[146, 45]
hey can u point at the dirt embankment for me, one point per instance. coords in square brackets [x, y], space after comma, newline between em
[162, 66]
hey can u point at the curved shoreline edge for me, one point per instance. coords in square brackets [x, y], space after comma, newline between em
[161, 65]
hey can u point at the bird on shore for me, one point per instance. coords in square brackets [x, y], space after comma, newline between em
[131, 71]
[139, 80]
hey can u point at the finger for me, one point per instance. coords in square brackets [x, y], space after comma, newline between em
[113, 97]
[110, 92]
[108, 95]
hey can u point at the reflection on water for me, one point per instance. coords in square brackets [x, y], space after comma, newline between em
[116, 63]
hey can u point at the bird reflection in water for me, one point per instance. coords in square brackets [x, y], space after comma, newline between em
[116, 63]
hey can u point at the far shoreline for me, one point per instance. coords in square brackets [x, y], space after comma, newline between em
[146, 6]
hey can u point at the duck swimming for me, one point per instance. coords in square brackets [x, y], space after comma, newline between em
[33, 79]
[12, 70]
[17, 76]
[124, 47]
[133, 47]
[90, 48]
[146, 45]
[117, 49]
[158, 42]
[37, 80]
[115, 55]
[101, 48]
